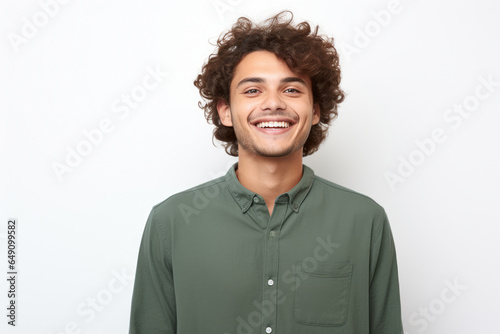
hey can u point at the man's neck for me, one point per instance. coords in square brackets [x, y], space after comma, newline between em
[269, 177]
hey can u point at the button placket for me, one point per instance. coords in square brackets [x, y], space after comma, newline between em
[271, 265]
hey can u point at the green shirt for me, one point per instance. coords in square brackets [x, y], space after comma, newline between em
[213, 261]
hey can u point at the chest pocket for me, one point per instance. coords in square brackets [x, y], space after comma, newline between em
[322, 295]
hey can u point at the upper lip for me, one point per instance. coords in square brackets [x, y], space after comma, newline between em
[271, 119]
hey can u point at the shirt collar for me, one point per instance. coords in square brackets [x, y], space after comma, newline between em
[245, 197]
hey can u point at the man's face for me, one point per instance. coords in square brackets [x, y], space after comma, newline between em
[263, 91]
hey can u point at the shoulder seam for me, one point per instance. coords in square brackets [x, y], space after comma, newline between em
[341, 188]
[165, 243]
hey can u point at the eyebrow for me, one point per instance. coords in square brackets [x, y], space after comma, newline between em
[261, 80]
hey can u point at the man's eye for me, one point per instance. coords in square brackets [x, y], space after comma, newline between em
[251, 91]
[292, 90]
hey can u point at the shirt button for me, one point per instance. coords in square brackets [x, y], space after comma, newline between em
[269, 330]
[256, 199]
[270, 282]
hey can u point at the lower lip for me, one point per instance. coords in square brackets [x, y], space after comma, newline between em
[273, 131]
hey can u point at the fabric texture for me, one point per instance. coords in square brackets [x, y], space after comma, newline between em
[213, 261]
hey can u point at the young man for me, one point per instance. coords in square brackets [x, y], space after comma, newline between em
[270, 247]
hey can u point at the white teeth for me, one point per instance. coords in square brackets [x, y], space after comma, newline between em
[273, 125]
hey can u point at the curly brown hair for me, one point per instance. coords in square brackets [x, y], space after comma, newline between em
[303, 50]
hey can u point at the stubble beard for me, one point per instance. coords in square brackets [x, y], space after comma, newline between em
[244, 142]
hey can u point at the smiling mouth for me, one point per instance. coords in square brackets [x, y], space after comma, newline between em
[273, 124]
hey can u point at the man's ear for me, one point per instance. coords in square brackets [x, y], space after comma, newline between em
[224, 112]
[316, 114]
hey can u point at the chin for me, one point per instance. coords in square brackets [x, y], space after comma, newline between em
[275, 153]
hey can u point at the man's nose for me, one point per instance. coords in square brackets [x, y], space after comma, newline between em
[273, 101]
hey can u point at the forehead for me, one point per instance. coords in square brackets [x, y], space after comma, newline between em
[263, 64]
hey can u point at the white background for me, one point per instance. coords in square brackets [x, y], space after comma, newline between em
[79, 231]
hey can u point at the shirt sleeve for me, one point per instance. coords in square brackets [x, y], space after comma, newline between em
[153, 300]
[385, 306]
